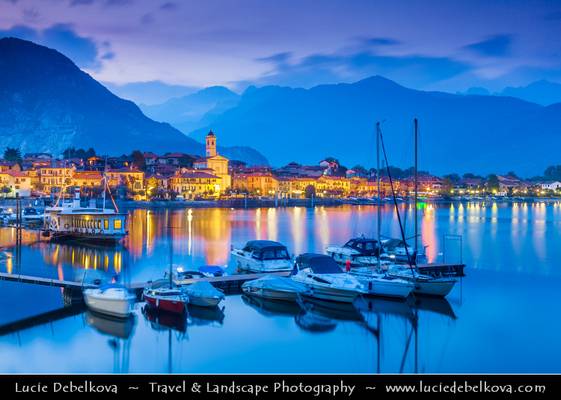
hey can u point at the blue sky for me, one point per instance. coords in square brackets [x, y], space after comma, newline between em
[433, 45]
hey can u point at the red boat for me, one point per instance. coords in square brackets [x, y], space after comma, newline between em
[166, 299]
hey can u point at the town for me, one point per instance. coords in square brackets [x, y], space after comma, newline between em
[145, 176]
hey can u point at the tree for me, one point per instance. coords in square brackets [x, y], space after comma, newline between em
[453, 178]
[12, 154]
[138, 160]
[359, 169]
[553, 172]
[310, 191]
[492, 182]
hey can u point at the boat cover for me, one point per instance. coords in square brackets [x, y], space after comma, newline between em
[211, 269]
[318, 263]
[203, 289]
[273, 282]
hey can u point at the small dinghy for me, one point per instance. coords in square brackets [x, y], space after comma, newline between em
[111, 299]
[203, 294]
[273, 287]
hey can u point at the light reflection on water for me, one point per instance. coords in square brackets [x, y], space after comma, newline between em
[512, 253]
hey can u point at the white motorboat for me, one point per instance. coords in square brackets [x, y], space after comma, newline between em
[396, 251]
[111, 299]
[381, 284]
[424, 284]
[325, 278]
[31, 214]
[353, 249]
[203, 294]
[273, 287]
[262, 256]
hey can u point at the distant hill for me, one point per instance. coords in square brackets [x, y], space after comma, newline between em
[48, 104]
[458, 133]
[541, 92]
[151, 92]
[195, 110]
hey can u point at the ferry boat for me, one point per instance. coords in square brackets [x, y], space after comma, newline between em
[69, 220]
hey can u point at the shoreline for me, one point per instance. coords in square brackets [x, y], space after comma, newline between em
[272, 203]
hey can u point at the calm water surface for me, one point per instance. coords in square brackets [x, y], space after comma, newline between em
[503, 317]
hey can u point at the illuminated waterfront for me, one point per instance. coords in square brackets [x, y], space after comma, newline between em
[511, 252]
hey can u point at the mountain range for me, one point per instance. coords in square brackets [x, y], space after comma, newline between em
[195, 110]
[48, 104]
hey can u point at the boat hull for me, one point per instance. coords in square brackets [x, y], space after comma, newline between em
[168, 305]
[332, 294]
[120, 308]
[271, 294]
[203, 301]
[387, 288]
[434, 288]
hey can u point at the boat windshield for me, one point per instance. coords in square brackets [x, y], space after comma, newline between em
[318, 263]
[275, 254]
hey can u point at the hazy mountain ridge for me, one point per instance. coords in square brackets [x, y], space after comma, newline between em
[48, 104]
[458, 132]
[193, 111]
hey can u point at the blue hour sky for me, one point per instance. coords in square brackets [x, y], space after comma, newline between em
[438, 45]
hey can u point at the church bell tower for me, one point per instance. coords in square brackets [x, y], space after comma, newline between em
[210, 144]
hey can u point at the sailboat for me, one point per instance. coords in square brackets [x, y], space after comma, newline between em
[168, 298]
[424, 284]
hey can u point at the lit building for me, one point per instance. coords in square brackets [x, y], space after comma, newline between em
[55, 178]
[193, 183]
[133, 179]
[329, 186]
[296, 187]
[86, 179]
[15, 183]
[214, 162]
[262, 183]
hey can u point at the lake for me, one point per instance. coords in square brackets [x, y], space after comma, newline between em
[502, 317]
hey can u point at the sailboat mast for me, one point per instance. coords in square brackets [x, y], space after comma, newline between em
[415, 139]
[379, 210]
[104, 182]
[170, 258]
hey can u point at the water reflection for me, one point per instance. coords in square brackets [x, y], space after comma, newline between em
[501, 246]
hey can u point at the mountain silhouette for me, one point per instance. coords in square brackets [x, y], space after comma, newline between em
[48, 104]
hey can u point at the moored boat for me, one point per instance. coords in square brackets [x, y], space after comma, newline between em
[325, 278]
[274, 287]
[69, 220]
[170, 299]
[203, 294]
[111, 299]
[381, 284]
[424, 284]
[352, 250]
[262, 256]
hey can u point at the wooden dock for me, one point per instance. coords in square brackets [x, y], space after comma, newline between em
[36, 280]
[227, 283]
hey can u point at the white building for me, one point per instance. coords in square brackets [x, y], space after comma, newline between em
[553, 185]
